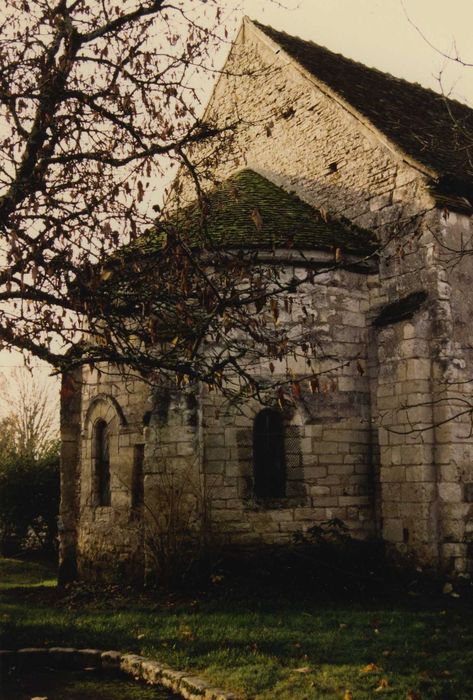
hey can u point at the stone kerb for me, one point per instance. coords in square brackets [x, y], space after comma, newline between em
[138, 667]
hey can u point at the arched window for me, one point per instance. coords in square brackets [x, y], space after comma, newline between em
[137, 486]
[269, 459]
[102, 463]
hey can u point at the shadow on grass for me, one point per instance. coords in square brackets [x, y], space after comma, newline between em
[27, 573]
[266, 641]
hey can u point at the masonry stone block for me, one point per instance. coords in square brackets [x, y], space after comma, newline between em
[451, 492]
[395, 475]
[393, 530]
[426, 472]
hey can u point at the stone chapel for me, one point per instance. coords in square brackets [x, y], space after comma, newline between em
[390, 451]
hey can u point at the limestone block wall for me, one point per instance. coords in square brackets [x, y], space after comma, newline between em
[402, 376]
[375, 446]
[453, 397]
[328, 434]
[409, 507]
[422, 373]
[110, 536]
[173, 481]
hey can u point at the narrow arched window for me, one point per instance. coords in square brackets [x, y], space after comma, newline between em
[102, 463]
[137, 487]
[269, 459]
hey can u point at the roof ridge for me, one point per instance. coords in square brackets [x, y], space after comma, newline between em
[385, 74]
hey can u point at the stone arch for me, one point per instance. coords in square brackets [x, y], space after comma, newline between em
[104, 413]
[111, 403]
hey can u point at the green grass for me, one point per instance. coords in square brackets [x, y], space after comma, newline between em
[278, 645]
[17, 572]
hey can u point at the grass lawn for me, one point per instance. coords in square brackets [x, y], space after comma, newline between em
[277, 644]
[16, 573]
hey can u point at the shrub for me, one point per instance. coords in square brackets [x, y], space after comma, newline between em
[336, 559]
[29, 502]
[180, 548]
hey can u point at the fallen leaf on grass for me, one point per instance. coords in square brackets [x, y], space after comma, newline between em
[382, 685]
[186, 633]
[371, 668]
[303, 669]
[348, 695]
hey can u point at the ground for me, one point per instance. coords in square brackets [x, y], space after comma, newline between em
[278, 644]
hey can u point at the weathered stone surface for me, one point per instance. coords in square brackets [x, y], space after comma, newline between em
[151, 672]
[172, 679]
[131, 663]
[193, 688]
[111, 660]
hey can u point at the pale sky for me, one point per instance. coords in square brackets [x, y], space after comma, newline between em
[377, 33]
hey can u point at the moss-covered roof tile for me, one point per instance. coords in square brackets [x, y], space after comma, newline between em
[249, 211]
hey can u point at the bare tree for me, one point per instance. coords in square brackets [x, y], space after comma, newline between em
[92, 94]
[96, 99]
[29, 464]
[7, 437]
[30, 427]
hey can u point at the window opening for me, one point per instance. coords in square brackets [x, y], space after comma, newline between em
[269, 459]
[102, 463]
[137, 491]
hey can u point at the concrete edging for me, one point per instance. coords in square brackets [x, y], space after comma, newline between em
[139, 667]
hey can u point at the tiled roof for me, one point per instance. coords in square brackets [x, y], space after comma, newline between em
[437, 132]
[249, 211]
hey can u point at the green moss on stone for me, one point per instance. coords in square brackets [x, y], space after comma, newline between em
[249, 211]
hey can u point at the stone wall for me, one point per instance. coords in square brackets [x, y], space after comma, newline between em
[299, 136]
[327, 433]
[110, 537]
[173, 481]
[375, 446]
[71, 426]
[453, 397]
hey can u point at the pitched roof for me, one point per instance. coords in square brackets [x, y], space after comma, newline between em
[437, 132]
[249, 211]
